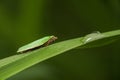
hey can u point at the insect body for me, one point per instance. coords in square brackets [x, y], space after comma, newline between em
[37, 44]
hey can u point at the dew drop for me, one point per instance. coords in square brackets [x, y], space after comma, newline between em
[93, 36]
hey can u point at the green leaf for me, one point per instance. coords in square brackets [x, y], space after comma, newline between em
[11, 65]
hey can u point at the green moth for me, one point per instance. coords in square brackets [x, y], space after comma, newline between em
[37, 44]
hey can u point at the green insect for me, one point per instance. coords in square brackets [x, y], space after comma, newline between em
[37, 44]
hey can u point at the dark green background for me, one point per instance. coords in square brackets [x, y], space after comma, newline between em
[22, 21]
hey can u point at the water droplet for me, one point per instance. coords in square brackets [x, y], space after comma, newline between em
[93, 36]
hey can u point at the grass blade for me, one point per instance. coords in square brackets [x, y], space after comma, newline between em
[14, 64]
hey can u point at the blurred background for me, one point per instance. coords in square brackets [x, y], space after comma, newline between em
[23, 21]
